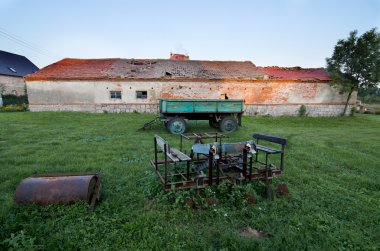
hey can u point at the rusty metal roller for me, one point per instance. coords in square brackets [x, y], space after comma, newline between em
[59, 189]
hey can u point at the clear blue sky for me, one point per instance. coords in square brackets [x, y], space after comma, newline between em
[272, 32]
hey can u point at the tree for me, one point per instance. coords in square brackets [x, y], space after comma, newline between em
[370, 95]
[355, 63]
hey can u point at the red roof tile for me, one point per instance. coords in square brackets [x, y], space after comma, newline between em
[295, 73]
[163, 69]
[73, 69]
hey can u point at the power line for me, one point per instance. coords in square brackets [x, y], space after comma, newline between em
[25, 43]
[23, 40]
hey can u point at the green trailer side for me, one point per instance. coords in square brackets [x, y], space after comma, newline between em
[224, 114]
[181, 106]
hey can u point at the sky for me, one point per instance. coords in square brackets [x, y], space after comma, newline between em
[285, 33]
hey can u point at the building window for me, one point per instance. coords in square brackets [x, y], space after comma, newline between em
[13, 70]
[115, 94]
[142, 94]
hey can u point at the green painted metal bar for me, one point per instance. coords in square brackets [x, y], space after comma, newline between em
[201, 106]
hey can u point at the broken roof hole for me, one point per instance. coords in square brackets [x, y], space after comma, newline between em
[137, 62]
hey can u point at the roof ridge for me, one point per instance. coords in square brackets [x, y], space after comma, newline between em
[157, 59]
[290, 67]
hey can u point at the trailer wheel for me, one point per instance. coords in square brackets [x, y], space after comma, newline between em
[176, 126]
[228, 124]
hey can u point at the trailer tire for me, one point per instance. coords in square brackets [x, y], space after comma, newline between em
[228, 124]
[176, 126]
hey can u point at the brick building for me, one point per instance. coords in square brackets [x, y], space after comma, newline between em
[127, 85]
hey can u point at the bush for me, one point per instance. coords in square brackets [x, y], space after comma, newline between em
[20, 241]
[10, 99]
[302, 111]
[353, 110]
[15, 108]
[7, 108]
[377, 112]
[20, 108]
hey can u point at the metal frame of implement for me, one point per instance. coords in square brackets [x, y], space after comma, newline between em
[221, 161]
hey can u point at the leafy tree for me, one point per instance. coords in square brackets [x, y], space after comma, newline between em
[370, 95]
[355, 63]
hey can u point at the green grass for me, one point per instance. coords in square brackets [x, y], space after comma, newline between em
[332, 169]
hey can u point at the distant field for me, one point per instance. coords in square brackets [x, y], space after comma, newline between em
[332, 169]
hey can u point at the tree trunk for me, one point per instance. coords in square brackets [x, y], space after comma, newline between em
[348, 99]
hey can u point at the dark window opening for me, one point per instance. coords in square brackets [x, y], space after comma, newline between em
[115, 94]
[142, 94]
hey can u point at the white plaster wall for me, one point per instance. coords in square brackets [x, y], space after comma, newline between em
[9, 84]
[271, 98]
[89, 91]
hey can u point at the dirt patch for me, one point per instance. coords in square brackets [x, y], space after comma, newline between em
[282, 189]
[252, 233]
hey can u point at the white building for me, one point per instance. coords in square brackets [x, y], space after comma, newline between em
[127, 85]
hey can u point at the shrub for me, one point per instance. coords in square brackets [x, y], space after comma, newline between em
[353, 110]
[20, 241]
[8, 108]
[19, 108]
[15, 108]
[377, 112]
[302, 111]
[10, 99]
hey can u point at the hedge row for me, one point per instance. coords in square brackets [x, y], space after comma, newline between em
[10, 99]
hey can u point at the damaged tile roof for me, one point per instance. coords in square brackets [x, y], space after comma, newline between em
[165, 69]
[296, 73]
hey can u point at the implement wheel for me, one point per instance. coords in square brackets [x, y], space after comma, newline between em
[228, 124]
[176, 126]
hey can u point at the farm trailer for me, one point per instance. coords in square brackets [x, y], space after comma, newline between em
[224, 114]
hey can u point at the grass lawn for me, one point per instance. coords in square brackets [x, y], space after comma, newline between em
[332, 169]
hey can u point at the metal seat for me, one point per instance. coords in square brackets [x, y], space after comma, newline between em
[267, 150]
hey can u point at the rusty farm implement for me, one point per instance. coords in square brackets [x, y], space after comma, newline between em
[211, 163]
[206, 164]
[64, 188]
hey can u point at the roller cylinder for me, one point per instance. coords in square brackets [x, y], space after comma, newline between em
[56, 189]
